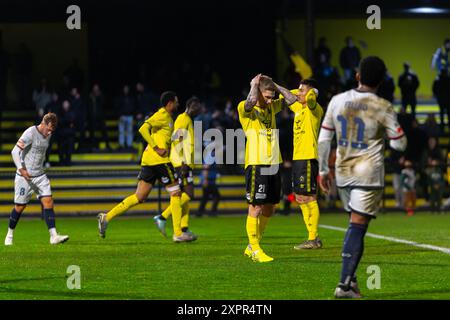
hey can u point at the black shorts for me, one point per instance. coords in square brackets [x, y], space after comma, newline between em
[163, 172]
[185, 178]
[304, 176]
[262, 189]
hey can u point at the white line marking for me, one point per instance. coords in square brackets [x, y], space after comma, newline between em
[377, 236]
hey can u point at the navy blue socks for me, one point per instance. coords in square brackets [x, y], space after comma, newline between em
[352, 251]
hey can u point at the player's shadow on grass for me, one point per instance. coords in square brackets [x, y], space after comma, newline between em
[70, 294]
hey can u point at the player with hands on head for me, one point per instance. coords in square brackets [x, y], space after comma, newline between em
[262, 157]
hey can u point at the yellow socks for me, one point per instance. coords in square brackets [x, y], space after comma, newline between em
[311, 215]
[166, 213]
[126, 204]
[253, 232]
[184, 199]
[175, 207]
[262, 224]
[185, 210]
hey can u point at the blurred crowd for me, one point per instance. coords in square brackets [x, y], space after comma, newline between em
[94, 121]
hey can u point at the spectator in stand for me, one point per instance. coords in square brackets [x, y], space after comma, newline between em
[349, 59]
[441, 60]
[209, 186]
[432, 152]
[328, 78]
[405, 120]
[54, 105]
[408, 183]
[41, 97]
[441, 90]
[396, 162]
[126, 106]
[96, 119]
[408, 83]
[146, 103]
[436, 183]
[79, 108]
[415, 152]
[322, 50]
[431, 126]
[387, 88]
[205, 117]
[67, 129]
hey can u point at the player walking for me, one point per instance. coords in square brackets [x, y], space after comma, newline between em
[28, 155]
[262, 157]
[361, 121]
[182, 158]
[157, 131]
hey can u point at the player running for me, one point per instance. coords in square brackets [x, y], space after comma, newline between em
[182, 158]
[361, 120]
[262, 157]
[28, 155]
[305, 168]
[157, 131]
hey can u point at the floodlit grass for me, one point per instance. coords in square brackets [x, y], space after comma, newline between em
[136, 262]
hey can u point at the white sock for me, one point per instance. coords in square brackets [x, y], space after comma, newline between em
[52, 232]
[10, 232]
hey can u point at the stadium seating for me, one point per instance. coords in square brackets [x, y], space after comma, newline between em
[97, 181]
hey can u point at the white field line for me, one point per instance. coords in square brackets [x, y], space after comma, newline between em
[377, 236]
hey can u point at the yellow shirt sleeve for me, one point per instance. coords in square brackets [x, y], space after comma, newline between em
[156, 121]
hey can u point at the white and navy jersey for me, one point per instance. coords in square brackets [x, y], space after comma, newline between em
[361, 121]
[34, 147]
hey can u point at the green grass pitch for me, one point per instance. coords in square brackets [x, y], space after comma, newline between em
[136, 262]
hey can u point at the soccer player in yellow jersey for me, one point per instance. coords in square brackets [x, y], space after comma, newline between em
[262, 157]
[157, 131]
[182, 158]
[305, 167]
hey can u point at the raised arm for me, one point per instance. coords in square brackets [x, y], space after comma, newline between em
[252, 97]
[289, 97]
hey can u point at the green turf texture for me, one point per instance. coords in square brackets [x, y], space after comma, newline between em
[136, 262]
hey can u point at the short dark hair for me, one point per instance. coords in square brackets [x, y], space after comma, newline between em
[167, 97]
[446, 40]
[372, 71]
[191, 101]
[310, 83]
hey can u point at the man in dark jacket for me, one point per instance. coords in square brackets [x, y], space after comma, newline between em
[349, 58]
[408, 83]
[441, 90]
